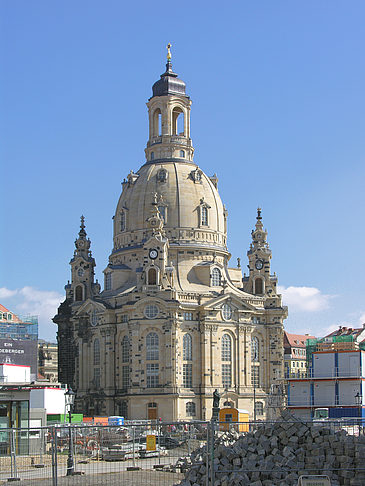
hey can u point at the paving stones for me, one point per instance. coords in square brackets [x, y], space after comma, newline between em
[277, 454]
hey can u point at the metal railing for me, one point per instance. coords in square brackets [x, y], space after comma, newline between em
[153, 453]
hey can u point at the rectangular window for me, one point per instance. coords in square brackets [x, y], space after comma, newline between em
[226, 375]
[125, 376]
[152, 374]
[188, 375]
[255, 375]
[108, 281]
[259, 408]
[204, 216]
[188, 316]
[124, 318]
[97, 377]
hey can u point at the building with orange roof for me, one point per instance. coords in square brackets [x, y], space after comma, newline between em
[295, 356]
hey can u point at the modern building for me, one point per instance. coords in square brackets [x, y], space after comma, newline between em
[175, 321]
[47, 361]
[18, 340]
[295, 356]
[336, 381]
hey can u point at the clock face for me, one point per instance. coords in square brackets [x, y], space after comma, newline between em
[259, 264]
[80, 272]
[81, 243]
[153, 254]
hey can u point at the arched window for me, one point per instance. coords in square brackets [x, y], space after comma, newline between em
[216, 277]
[152, 155]
[152, 276]
[204, 216]
[226, 347]
[259, 286]
[125, 349]
[226, 360]
[255, 362]
[255, 349]
[177, 121]
[187, 348]
[157, 123]
[152, 347]
[96, 352]
[122, 221]
[182, 153]
[78, 293]
[190, 409]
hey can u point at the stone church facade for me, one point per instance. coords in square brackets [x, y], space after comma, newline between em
[174, 322]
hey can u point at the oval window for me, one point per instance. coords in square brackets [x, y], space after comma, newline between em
[151, 311]
[227, 312]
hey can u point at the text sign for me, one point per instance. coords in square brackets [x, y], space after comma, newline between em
[150, 443]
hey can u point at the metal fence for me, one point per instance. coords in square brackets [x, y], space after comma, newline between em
[141, 453]
[133, 455]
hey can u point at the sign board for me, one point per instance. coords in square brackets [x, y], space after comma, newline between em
[314, 481]
[20, 352]
[150, 443]
[115, 420]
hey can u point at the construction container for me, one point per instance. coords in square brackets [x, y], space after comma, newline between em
[233, 417]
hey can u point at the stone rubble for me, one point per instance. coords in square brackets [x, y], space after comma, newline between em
[276, 454]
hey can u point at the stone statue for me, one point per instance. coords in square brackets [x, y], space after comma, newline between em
[216, 398]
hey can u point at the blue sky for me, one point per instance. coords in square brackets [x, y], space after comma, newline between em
[278, 113]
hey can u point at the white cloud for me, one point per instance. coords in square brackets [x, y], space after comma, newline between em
[304, 299]
[6, 293]
[31, 301]
[362, 318]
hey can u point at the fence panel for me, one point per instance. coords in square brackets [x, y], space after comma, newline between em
[151, 453]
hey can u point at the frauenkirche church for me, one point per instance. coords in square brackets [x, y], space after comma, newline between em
[174, 322]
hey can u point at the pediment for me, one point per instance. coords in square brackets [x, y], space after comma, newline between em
[89, 306]
[231, 299]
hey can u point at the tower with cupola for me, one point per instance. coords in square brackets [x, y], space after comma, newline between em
[82, 284]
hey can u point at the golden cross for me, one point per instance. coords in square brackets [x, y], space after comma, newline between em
[168, 51]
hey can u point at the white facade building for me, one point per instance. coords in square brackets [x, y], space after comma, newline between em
[336, 382]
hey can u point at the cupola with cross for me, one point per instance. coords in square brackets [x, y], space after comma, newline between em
[82, 269]
[169, 118]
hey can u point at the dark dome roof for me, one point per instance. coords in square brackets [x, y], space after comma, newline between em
[169, 83]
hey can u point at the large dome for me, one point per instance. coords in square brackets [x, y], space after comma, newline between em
[187, 200]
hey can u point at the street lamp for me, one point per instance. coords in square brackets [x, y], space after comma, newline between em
[69, 401]
[358, 401]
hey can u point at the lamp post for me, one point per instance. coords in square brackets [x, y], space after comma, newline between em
[69, 401]
[358, 401]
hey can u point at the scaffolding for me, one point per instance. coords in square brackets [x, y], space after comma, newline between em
[27, 329]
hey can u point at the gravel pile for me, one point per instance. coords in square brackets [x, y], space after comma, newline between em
[277, 454]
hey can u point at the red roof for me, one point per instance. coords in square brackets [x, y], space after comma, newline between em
[346, 331]
[15, 317]
[3, 309]
[296, 340]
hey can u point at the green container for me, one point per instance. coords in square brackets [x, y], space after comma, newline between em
[59, 418]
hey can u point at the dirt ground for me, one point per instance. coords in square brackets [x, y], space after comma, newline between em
[125, 478]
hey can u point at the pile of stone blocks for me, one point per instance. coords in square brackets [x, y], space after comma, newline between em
[276, 454]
